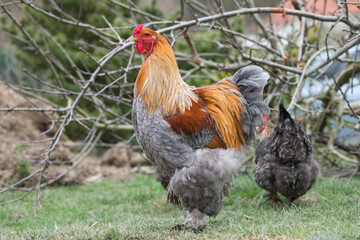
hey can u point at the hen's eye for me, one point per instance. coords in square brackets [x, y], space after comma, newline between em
[146, 34]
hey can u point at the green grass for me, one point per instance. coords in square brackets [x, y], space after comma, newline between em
[138, 210]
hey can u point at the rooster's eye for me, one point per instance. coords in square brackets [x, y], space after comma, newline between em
[146, 34]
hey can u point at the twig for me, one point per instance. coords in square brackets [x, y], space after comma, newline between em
[342, 93]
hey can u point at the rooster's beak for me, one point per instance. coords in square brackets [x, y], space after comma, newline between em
[134, 40]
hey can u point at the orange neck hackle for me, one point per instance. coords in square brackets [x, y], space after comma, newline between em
[159, 82]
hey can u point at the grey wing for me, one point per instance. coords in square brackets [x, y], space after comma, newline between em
[198, 139]
[195, 126]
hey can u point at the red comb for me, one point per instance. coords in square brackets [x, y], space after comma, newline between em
[265, 118]
[137, 30]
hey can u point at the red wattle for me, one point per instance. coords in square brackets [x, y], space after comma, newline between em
[262, 127]
[152, 46]
[140, 48]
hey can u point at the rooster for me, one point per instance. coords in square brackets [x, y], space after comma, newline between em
[284, 163]
[194, 136]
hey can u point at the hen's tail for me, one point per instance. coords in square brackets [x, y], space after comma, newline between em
[283, 114]
[251, 81]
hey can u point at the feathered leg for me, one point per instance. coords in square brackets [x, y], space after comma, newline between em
[198, 191]
[201, 186]
[194, 221]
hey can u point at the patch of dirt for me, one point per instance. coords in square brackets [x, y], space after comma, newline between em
[17, 128]
[122, 155]
[20, 155]
[20, 215]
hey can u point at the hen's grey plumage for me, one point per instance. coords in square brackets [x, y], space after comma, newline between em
[284, 163]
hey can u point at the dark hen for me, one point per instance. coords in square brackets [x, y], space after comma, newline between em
[284, 163]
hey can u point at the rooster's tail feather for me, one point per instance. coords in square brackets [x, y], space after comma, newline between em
[251, 81]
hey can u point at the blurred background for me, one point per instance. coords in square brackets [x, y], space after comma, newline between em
[67, 72]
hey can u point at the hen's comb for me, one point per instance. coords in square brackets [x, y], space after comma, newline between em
[265, 118]
[137, 30]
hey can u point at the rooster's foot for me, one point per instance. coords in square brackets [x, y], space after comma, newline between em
[178, 227]
[274, 198]
[187, 226]
[194, 221]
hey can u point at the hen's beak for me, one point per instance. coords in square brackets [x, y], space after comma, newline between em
[134, 40]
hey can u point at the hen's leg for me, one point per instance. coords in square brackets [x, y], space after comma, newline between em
[289, 201]
[194, 221]
[274, 198]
